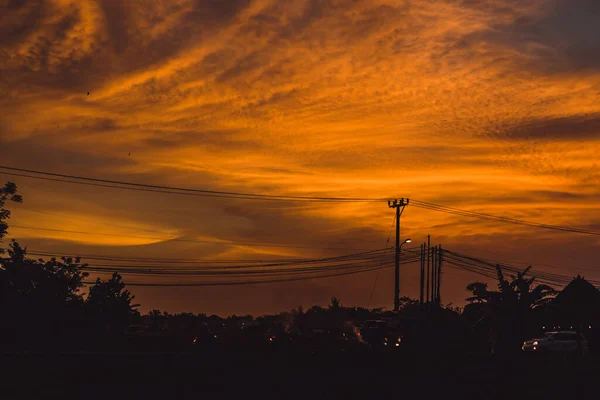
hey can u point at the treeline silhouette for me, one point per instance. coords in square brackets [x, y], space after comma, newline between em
[43, 309]
[42, 306]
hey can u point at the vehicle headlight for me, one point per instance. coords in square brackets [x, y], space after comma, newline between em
[399, 340]
[535, 343]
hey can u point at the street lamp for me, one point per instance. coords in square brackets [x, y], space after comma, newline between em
[397, 304]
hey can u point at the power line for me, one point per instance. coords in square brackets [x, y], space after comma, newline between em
[237, 283]
[182, 240]
[489, 217]
[165, 271]
[201, 261]
[240, 268]
[302, 275]
[526, 263]
[254, 196]
[69, 217]
[175, 190]
[91, 221]
[386, 246]
[488, 269]
[307, 265]
[335, 266]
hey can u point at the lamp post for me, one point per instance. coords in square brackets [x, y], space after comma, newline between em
[397, 305]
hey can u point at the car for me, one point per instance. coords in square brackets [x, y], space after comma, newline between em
[393, 341]
[373, 331]
[556, 342]
[399, 331]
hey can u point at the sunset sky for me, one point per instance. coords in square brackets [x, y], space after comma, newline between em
[490, 106]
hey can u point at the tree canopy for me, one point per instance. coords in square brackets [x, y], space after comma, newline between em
[7, 193]
[42, 300]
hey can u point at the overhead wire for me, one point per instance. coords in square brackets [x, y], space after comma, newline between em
[495, 218]
[480, 266]
[254, 282]
[303, 276]
[258, 274]
[242, 273]
[249, 244]
[171, 189]
[255, 196]
[233, 268]
[70, 217]
[201, 261]
[377, 275]
[488, 269]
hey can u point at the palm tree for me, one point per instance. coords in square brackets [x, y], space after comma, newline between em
[508, 309]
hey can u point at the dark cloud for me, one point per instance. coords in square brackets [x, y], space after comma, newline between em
[261, 25]
[55, 157]
[216, 12]
[120, 45]
[566, 32]
[75, 127]
[244, 65]
[217, 61]
[118, 19]
[213, 140]
[571, 128]
[558, 195]
[313, 10]
[49, 55]
[18, 19]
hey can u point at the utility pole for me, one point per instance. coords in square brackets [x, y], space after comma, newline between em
[428, 268]
[433, 273]
[422, 276]
[399, 206]
[439, 274]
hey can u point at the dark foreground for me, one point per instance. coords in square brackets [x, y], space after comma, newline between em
[261, 375]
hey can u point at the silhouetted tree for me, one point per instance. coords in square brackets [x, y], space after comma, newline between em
[157, 319]
[335, 302]
[7, 193]
[40, 301]
[507, 310]
[110, 303]
[407, 302]
[39, 298]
